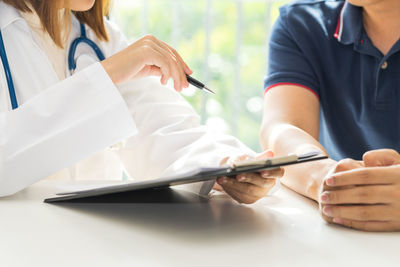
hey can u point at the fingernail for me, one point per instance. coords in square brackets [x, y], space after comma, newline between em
[222, 181]
[325, 197]
[337, 220]
[269, 154]
[330, 181]
[242, 178]
[327, 211]
[266, 174]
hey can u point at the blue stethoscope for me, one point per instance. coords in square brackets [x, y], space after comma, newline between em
[71, 60]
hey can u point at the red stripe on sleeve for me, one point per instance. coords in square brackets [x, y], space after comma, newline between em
[293, 84]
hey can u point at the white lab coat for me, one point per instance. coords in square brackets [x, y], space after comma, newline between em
[61, 123]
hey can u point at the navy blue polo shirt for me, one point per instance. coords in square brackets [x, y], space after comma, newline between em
[323, 47]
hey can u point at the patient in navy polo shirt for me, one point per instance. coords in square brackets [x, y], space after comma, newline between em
[333, 85]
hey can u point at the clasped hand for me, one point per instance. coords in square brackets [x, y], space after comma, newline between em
[247, 188]
[365, 194]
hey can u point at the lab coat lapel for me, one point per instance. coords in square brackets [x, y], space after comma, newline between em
[8, 15]
[28, 62]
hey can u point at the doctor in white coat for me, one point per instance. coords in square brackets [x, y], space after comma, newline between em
[107, 117]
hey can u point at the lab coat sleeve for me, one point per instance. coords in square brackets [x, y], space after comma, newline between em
[170, 137]
[65, 123]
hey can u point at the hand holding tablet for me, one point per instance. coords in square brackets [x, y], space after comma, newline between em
[251, 179]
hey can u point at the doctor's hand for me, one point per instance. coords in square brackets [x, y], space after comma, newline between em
[365, 195]
[148, 57]
[249, 187]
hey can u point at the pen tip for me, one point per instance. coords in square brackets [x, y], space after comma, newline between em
[209, 90]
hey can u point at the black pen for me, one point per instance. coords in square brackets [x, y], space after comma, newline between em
[198, 84]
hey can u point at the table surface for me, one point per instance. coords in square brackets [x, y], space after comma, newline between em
[281, 230]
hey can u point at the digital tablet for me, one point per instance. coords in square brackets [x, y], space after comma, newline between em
[199, 175]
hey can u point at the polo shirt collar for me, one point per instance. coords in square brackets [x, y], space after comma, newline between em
[349, 25]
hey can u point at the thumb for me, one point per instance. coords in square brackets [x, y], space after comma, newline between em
[265, 155]
[381, 157]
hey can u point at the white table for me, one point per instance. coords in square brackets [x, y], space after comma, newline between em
[283, 230]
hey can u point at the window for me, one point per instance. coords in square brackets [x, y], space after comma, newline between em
[224, 42]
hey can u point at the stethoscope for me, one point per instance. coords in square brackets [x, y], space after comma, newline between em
[71, 60]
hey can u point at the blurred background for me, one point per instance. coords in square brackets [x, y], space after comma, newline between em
[225, 44]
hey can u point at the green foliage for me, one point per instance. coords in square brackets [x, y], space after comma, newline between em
[183, 24]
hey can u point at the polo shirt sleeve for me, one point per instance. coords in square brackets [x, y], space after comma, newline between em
[287, 63]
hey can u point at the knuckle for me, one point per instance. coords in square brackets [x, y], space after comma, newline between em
[340, 165]
[149, 37]
[367, 155]
[147, 42]
[343, 164]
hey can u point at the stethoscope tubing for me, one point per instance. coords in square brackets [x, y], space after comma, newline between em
[7, 71]
[82, 39]
[71, 60]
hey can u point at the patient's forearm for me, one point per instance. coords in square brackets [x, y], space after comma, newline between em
[305, 178]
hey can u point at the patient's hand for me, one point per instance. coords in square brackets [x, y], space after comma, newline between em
[326, 190]
[249, 187]
[364, 195]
